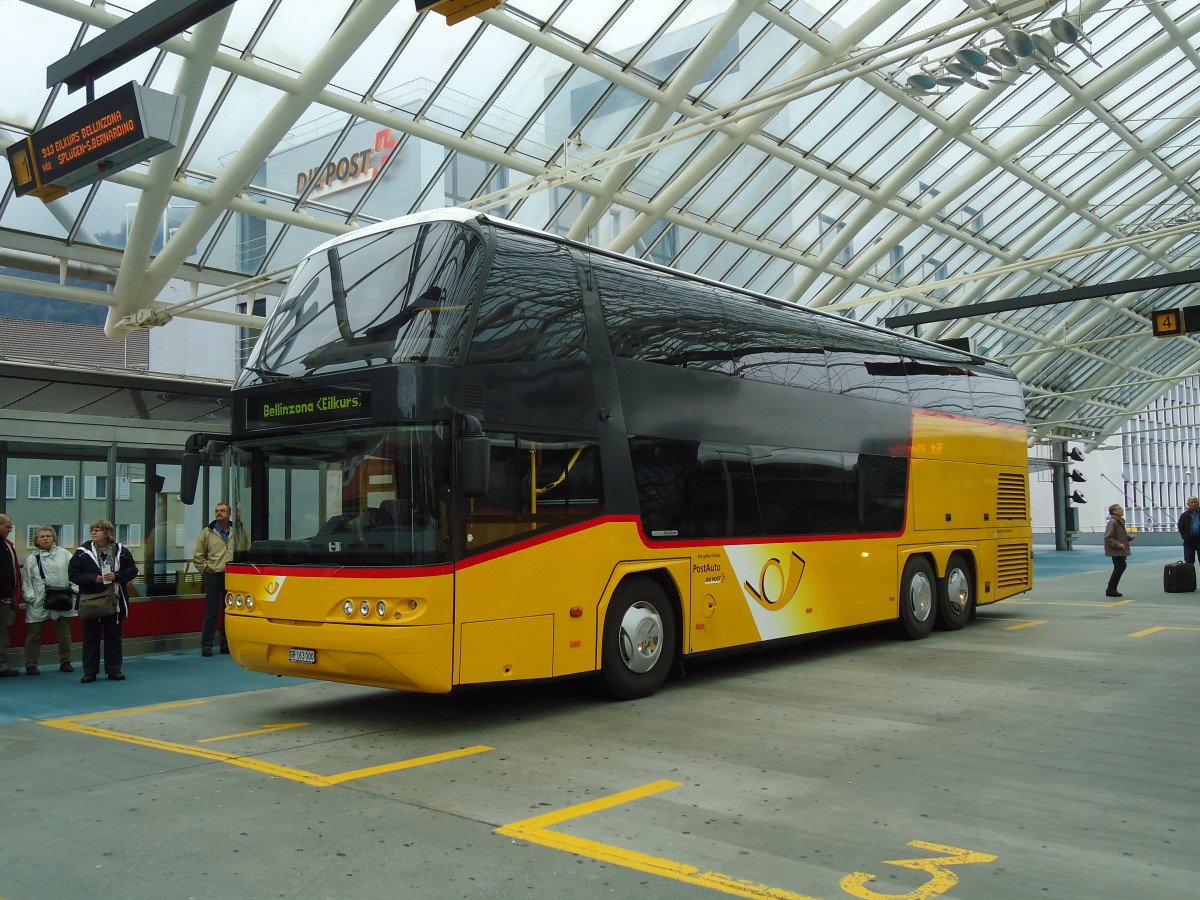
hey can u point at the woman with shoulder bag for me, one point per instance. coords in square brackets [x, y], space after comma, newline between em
[49, 597]
[103, 567]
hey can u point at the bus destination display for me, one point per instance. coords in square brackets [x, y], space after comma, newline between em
[309, 407]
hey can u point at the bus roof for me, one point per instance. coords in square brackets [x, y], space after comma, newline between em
[461, 214]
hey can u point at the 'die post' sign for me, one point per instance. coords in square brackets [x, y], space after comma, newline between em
[116, 131]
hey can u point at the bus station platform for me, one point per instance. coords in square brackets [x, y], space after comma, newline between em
[1047, 749]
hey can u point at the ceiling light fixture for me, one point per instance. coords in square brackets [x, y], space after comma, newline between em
[1020, 46]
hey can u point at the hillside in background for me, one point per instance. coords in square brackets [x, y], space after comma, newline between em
[47, 309]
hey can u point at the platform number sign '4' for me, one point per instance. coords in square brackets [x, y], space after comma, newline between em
[1166, 322]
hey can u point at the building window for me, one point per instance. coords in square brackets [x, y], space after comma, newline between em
[831, 228]
[10, 487]
[130, 535]
[95, 487]
[51, 487]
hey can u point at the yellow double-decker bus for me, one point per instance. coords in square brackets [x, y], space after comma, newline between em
[469, 452]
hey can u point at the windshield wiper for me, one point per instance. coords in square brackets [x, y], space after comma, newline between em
[268, 375]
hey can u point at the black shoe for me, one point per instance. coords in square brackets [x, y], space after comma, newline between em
[1112, 594]
[32, 670]
[116, 676]
[66, 667]
[9, 673]
[225, 650]
[87, 679]
[206, 651]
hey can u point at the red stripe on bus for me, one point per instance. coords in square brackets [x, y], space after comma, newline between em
[538, 540]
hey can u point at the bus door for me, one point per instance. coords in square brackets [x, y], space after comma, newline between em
[524, 565]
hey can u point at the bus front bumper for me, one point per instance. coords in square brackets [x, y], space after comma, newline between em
[409, 658]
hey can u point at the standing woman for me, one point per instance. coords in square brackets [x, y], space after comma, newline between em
[46, 567]
[99, 563]
[1116, 545]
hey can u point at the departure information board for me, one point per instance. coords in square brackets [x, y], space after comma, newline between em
[113, 132]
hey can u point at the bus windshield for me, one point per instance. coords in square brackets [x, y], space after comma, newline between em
[366, 497]
[387, 297]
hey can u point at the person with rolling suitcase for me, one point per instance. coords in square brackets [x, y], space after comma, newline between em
[1189, 530]
[1180, 577]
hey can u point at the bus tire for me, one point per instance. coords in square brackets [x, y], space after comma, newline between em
[956, 594]
[918, 599]
[639, 640]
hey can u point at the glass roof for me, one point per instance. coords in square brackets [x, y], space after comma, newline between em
[873, 158]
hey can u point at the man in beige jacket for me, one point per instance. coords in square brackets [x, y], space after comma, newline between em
[214, 549]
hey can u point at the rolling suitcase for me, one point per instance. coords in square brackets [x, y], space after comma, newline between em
[1179, 578]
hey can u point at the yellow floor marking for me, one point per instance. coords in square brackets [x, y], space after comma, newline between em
[75, 724]
[941, 878]
[1069, 602]
[1025, 623]
[536, 831]
[266, 729]
[1158, 628]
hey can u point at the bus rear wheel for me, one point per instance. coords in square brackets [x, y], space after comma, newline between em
[639, 640]
[918, 599]
[956, 594]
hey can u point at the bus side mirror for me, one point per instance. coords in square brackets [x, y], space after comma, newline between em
[475, 465]
[474, 459]
[189, 475]
[189, 465]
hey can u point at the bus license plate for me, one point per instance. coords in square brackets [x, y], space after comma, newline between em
[299, 655]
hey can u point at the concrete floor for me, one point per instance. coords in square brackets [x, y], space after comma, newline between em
[1048, 750]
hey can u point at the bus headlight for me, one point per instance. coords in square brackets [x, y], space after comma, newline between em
[229, 599]
[249, 602]
[364, 608]
[381, 609]
[237, 601]
[348, 608]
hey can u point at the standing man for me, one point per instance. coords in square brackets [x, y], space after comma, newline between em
[10, 591]
[1189, 530]
[215, 548]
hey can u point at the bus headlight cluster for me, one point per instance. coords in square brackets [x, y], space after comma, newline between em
[364, 608]
[239, 601]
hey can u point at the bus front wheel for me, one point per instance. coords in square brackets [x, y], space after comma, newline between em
[918, 599]
[639, 640]
[956, 595]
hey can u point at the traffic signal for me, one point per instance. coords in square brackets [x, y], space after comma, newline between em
[1074, 475]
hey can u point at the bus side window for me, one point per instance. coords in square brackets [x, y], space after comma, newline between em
[803, 491]
[535, 484]
[666, 476]
[880, 486]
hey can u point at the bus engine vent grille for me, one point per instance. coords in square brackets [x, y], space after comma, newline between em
[1013, 565]
[1011, 502]
[473, 397]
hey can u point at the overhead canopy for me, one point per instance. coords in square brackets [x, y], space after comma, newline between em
[873, 159]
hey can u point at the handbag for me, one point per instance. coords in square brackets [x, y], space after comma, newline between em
[58, 599]
[97, 606]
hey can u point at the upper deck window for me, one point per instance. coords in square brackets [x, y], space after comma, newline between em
[396, 296]
[532, 307]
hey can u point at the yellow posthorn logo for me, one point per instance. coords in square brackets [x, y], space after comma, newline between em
[776, 586]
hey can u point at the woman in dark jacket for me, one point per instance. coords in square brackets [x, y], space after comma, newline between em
[1116, 545]
[97, 564]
